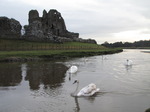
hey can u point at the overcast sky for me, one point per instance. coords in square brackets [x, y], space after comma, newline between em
[102, 20]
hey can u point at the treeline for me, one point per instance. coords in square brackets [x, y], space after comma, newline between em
[136, 44]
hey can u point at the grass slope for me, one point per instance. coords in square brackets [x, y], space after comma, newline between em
[9, 45]
[26, 49]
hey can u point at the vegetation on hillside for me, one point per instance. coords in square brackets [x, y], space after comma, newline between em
[136, 44]
[21, 49]
[22, 45]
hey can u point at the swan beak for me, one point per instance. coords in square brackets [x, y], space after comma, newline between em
[75, 82]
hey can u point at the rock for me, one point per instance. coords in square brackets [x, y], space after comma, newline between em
[10, 28]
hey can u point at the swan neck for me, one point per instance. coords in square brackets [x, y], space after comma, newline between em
[77, 87]
[74, 93]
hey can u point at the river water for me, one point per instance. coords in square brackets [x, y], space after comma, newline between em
[46, 86]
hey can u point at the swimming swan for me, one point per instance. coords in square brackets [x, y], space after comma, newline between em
[73, 69]
[128, 62]
[89, 90]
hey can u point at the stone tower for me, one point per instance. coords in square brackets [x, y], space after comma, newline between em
[49, 27]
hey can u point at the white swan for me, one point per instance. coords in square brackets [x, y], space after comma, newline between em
[89, 90]
[128, 62]
[73, 69]
[85, 59]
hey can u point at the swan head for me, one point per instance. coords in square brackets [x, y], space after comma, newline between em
[76, 81]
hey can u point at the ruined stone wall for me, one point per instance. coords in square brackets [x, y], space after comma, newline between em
[9, 28]
[49, 27]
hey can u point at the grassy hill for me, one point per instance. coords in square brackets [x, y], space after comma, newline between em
[16, 45]
[26, 49]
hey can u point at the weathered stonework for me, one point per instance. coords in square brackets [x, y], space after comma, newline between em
[50, 27]
[9, 28]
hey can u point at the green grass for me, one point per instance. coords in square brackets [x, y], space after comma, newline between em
[9, 45]
[25, 49]
[45, 53]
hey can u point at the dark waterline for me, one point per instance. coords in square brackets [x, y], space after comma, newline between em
[46, 86]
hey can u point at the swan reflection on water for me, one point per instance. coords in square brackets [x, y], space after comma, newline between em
[77, 108]
[90, 99]
[128, 67]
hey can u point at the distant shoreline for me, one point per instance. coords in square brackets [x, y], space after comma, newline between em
[55, 56]
[146, 51]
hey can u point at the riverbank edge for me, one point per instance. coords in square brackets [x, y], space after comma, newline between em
[62, 55]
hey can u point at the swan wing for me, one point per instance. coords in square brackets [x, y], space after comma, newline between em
[92, 92]
[88, 90]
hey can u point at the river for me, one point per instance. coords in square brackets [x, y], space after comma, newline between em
[46, 86]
